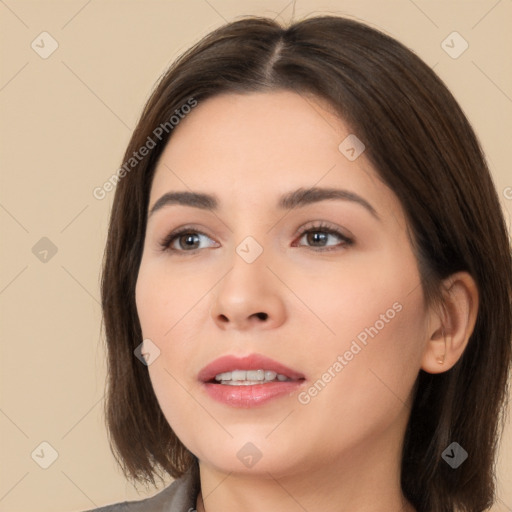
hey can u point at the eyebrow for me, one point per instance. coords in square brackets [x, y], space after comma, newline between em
[295, 199]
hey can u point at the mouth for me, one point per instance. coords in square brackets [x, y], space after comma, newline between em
[246, 371]
[248, 381]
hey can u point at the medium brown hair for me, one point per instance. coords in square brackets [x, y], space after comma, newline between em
[423, 147]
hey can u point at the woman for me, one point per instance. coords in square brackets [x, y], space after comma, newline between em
[307, 281]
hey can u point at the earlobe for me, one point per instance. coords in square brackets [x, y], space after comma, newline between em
[435, 358]
[452, 326]
[441, 359]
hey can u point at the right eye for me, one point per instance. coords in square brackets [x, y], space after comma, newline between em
[186, 239]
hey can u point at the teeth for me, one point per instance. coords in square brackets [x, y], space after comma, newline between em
[223, 376]
[253, 375]
[249, 377]
[238, 375]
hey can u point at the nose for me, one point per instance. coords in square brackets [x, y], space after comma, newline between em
[248, 297]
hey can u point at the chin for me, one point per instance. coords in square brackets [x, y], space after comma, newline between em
[251, 455]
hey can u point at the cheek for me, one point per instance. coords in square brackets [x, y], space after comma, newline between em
[378, 329]
[165, 296]
[182, 411]
[376, 363]
[150, 301]
[367, 298]
[163, 300]
[359, 396]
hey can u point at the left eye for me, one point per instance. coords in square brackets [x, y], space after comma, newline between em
[321, 236]
[186, 238]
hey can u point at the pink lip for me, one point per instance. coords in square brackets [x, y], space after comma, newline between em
[248, 396]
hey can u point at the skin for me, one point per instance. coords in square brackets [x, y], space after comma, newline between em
[341, 450]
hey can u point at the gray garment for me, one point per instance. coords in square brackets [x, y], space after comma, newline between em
[179, 496]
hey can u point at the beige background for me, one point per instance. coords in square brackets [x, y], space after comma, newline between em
[65, 122]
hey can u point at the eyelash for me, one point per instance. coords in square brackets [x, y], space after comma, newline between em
[317, 228]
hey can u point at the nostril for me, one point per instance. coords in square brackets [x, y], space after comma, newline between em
[262, 316]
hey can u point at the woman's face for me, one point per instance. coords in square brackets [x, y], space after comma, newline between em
[344, 311]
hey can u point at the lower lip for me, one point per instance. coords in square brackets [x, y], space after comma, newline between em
[250, 396]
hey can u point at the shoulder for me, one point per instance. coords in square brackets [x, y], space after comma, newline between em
[179, 496]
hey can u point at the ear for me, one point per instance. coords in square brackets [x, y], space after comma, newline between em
[450, 329]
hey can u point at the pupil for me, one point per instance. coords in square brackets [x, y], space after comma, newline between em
[315, 236]
[189, 238]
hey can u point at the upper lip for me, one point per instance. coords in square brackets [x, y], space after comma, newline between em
[230, 363]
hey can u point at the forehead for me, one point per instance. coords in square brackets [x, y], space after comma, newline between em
[257, 146]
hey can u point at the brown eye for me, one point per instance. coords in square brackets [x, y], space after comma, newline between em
[319, 237]
[184, 240]
[188, 240]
